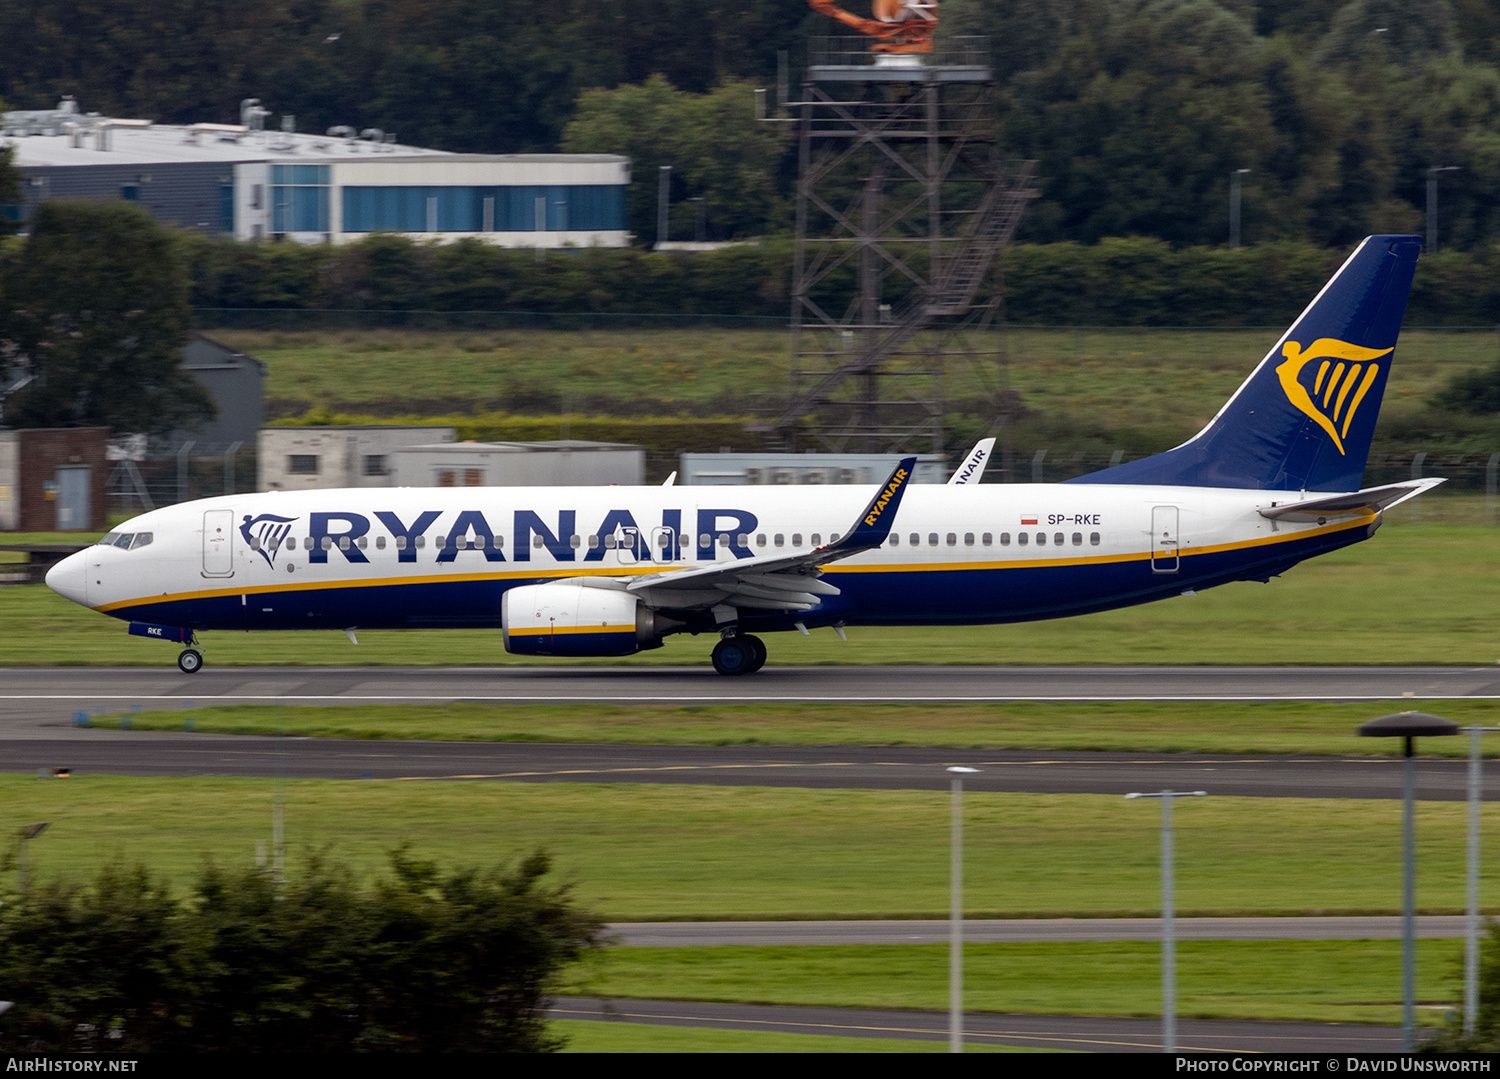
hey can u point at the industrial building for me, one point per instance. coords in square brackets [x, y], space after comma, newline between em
[245, 181]
[742, 469]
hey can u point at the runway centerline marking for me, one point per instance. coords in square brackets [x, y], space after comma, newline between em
[202, 698]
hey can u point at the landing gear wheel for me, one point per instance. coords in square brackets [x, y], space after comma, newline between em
[190, 661]
[760, 652]
[735, 655]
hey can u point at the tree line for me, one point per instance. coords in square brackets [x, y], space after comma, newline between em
[1139, 111]
[1116, 282]
[423, 961]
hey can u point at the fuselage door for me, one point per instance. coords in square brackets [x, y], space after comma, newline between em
[628, 545]
[1164, 554]
[218, 543]
[663, 545]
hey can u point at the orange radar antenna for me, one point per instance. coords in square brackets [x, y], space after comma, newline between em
[898, 25]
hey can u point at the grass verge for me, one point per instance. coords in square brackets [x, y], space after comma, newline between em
[586, 1036]
[1150, 726]
[646, 852]
[1332, 981]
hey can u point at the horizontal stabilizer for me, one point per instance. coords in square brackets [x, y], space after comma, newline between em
[1359, 504]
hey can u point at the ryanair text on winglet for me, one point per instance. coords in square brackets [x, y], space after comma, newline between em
[886, 495]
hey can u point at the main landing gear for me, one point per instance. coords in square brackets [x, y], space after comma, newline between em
[739, 653]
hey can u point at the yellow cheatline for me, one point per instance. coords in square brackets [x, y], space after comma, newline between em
[537, 631]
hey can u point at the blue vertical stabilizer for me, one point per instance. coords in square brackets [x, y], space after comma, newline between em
[1304, 418]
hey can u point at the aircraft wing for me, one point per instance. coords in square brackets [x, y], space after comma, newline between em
[1359, 504]
[778, 582]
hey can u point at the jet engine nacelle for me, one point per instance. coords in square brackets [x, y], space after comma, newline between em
[567, 619]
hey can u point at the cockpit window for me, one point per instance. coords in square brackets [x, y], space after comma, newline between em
[126, 541]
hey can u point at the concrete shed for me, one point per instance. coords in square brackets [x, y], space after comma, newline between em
[318, 458]
[562, 463]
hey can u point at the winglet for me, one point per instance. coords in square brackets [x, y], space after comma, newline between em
[874, 524]
[973, 467]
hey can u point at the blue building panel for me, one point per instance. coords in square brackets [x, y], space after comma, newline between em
[581, 207]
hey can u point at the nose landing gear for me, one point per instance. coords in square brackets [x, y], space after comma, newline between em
[190, 661]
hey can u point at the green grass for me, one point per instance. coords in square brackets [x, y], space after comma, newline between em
[646, 852]
[1151, 726]
[1424, 594]
[586, 1036]
[1309, 980]
[1139, 378]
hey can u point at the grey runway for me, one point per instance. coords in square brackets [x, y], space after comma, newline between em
[1078, 1033]
[31, 692]
[158, 753]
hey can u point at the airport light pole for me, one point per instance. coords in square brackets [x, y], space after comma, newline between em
[1432, 175]
[1471, 921]
[1234, 206]
[1408, 726]
[956, 912]
[1168, 926]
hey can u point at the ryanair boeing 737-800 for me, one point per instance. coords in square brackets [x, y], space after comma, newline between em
[609, 571]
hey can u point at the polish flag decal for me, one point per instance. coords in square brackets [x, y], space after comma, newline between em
[1028, 518]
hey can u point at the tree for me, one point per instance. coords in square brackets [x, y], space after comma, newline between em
[10, 185]
[717, 149]
[97, 313]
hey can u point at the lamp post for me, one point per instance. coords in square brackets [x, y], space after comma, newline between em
[956, 912]
[1234, 206]
[1408, 726]
[1432, 175]
[1168, 926]
[1471, 921]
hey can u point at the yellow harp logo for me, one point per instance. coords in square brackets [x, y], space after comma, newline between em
[1336, 388]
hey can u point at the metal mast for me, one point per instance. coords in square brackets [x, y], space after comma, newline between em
[903, 204]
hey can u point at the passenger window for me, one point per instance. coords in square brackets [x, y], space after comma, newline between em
[833, 537]
[307, 543]
[723, 541]
[422, 542]
[895, 539]
[594, 542]
[816, 539]
[439, 541]
[362, 542]
[988, 539]
[255, 543]
[968, 539]
[610, 543]
[343, 543]
[1093, 539]
[1005, 539]
[400, 543]
[575, 541]
[932, 539]
[780, 540]
[796, 539]
[952, 539]
[1077, 539]
[380, 543]
[497, 541]
[742, 540]
[291, 543]
[1023, 538]
[760, 539]
[1058, 538]
[536, 541]
[1041, 539]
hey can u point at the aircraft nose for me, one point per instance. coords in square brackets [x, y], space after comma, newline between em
[69, 578]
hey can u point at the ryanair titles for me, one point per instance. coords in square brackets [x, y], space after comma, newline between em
[351, 535]
[898, 479]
